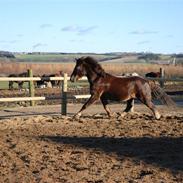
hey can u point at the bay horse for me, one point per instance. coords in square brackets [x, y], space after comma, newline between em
[20, 83]
[105, 87]
[54, 83]
[153, 75]
[130, 74]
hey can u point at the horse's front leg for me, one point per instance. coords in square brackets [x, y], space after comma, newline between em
[90, 101]
[105, 102]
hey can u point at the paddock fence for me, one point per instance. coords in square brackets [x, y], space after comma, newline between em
[31, 87]
[63, 89]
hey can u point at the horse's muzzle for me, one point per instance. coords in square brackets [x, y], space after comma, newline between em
[73, 79]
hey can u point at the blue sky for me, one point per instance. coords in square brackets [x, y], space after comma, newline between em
[92, 25]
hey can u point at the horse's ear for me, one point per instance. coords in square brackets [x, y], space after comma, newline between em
[83, 59]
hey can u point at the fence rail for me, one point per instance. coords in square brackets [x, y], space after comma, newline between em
[19, 99]
[166, 79]
[30, 78]
[64, 87]
[81, 79]
[32, 98]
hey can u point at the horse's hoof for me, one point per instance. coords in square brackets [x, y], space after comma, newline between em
[77, 116]
[123, 114]
[157, 115]
[136, 113]
[112, 115]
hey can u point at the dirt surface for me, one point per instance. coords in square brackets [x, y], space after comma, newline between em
[54, 148]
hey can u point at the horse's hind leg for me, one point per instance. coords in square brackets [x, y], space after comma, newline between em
[11, 85]
[146, 99]
[154, 110]
[20, 85]
[130, 105]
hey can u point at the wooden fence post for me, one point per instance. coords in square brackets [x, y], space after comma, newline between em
[31, 87]
[162, 77]
[64, 95]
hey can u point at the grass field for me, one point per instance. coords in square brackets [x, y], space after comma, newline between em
[113, 68]
[57, 57]
[5, 85]
[114, 63]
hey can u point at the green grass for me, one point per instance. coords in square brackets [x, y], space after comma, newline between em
[41, 58]
[78, 83]
[55, 57]
[166, 57]
[5, 85]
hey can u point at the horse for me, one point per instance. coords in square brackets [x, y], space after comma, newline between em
[20, 83]
[130, 74]
[54, 83]
[153, 75]
[105, 87]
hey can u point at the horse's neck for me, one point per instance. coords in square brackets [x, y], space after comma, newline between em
[92, 76]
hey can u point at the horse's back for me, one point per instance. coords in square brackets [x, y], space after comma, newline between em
[123, 88]
[128, 79]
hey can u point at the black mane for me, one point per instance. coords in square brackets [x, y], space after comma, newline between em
[94, 65]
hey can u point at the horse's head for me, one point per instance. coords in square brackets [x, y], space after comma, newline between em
[79, 70]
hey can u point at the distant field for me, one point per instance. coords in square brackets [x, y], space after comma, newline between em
[113, 68]
[114, 63]
[106, 57]
[57, 57]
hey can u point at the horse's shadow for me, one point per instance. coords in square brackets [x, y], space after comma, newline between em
[164, 152]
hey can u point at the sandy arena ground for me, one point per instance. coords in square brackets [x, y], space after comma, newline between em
[51, 148]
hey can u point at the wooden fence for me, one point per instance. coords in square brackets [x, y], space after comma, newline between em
[32, 97]
[64, 88]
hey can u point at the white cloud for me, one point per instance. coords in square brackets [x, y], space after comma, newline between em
[143, 42]
[142, 32]
[79, 29]
[38, 45]
[43, 26]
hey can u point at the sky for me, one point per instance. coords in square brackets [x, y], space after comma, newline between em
[97, 26]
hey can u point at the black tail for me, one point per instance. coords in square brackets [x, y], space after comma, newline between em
[159, 93]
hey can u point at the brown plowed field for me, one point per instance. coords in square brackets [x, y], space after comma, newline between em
[94, 149]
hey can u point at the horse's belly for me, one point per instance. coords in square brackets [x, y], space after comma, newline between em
[115, 96]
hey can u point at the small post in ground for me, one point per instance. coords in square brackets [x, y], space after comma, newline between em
[64, 95]
[162, 77]
[31, 87]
